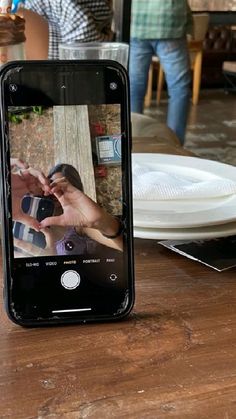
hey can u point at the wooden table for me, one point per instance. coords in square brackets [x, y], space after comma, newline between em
[174, 357]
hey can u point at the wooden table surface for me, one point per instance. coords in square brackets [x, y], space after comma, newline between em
[173, 357]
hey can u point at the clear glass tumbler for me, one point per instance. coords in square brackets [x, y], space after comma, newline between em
[116, 51]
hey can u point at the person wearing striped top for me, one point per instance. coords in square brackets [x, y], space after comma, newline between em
[51, 22]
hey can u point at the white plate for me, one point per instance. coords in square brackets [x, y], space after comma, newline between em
[198, 233]
[185, 213]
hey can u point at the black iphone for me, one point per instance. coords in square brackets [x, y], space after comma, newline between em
[66, 176]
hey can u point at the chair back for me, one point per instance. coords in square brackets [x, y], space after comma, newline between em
[200, 25]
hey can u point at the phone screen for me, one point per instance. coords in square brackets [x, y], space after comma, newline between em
[66, 186]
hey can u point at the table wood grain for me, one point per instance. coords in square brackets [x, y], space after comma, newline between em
[173, 357]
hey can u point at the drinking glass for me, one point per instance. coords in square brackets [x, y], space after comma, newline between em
[116, 51]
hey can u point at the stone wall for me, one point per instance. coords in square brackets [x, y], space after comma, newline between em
[213, 5]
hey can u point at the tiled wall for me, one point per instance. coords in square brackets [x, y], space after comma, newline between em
[213, 5]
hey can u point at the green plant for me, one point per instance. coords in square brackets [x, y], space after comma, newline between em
[18, 116]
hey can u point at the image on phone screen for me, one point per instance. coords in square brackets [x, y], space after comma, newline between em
[67, 192]
[70, 256]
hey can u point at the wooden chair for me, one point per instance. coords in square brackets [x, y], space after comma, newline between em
[195, 44]
[148, 97]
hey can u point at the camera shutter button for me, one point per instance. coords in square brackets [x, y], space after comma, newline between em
[70, 280]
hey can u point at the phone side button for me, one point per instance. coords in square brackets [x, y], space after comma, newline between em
[70, 280]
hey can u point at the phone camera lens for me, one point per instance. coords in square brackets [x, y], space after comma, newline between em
[69, 245]
[13, 87]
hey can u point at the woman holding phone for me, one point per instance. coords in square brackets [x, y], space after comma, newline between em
[79, 225]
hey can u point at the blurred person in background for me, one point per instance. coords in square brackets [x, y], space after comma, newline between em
[159, 27]
[51, 22]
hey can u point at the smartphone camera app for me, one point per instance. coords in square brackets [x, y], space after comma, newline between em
[69, 252]
[68, 240]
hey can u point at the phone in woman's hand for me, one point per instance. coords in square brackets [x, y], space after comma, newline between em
[39, 208]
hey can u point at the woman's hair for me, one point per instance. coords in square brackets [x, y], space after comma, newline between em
[69, 172]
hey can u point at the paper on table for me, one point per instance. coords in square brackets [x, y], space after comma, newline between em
[149, 184]
[218, 253]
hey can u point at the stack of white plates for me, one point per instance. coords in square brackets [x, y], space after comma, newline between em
[181, 219]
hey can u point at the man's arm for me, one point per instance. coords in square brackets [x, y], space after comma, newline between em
[37, 35]
[189, 26]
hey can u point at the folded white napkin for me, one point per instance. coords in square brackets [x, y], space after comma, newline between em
[149, 184]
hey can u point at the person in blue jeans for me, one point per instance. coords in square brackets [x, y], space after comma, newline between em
[159, 28]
